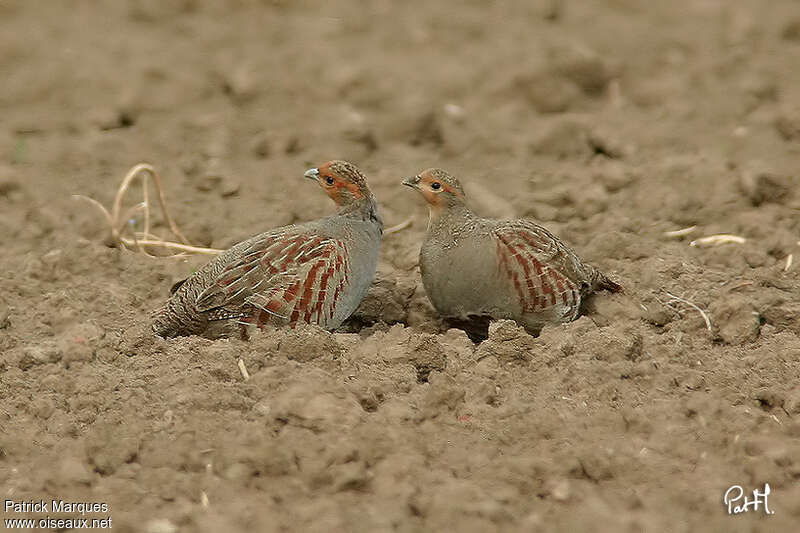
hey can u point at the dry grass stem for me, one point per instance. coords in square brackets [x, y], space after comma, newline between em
[399, 227]
[789, 259]
[680, 232]
[678, 299]
[243, 369]
[716, 240]
[122, 223]
[741, 285]
[615, 94]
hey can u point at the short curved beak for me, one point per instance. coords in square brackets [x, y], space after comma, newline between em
[412, 182]
[312, 174]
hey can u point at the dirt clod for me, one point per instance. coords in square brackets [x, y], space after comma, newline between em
[736, 320]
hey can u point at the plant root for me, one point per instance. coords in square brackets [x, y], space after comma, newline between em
[122, 223]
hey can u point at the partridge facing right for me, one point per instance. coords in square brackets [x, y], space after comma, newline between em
[477, 268]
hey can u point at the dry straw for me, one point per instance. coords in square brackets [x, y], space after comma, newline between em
[122, 222]
[122, 225]
[677, 299]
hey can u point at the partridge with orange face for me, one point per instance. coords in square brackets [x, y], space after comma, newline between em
[478, 268]
[316, 272]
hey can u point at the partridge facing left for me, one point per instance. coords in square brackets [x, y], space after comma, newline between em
[316, 272]
[475, 269]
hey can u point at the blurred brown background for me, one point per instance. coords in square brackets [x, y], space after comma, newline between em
[609, 122]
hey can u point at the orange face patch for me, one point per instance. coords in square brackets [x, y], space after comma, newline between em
[340, 187]
[435, 197]
[350, 187]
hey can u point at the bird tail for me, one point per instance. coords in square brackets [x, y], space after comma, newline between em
[603, 282]
[163, 323]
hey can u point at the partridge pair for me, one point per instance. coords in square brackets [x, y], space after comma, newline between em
[475, 269]
[318, 272]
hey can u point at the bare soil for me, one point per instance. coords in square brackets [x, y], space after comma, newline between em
[612, 123]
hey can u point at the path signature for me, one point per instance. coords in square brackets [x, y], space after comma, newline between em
[736, 501]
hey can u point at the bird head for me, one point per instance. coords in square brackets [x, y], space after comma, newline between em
[440, 189]
[342, 181]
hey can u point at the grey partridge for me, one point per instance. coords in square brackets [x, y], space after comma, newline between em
[316, 272]
[475, 269]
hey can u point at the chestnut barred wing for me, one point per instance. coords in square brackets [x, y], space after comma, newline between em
[280, 279]
[540, 269]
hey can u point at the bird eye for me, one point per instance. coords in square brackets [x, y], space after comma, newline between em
[329, 180]
[436, 185]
